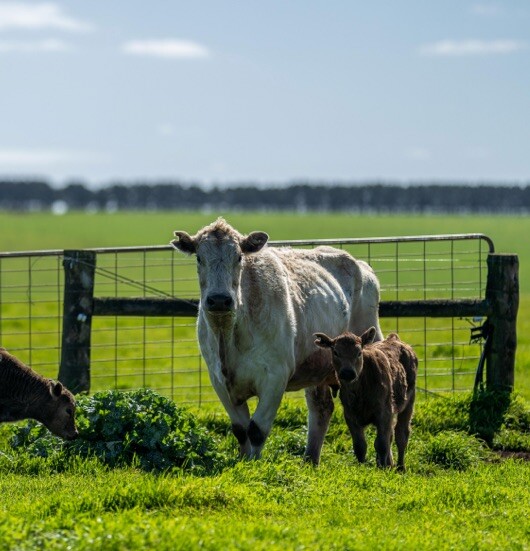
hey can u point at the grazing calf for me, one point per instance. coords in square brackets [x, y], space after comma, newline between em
[258, 312]
[378, 382]
[24, 394]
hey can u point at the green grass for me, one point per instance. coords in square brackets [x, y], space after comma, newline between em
[456, 494]
[270, 505]
[78, 230]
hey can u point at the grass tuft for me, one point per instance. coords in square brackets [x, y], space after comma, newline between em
[452, 450]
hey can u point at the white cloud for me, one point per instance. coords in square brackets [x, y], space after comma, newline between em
[471, 47]
[486, 10]
[47, 46]
[165, 129]
[25, 16]
[24, 158]
[169, 48]
[418, 153]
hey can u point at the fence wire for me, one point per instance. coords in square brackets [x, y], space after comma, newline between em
[162, 352]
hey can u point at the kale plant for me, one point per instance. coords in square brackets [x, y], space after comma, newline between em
[139, 428]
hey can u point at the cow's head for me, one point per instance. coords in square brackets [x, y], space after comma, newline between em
[220, 251]
[347, 352]
[58, 412]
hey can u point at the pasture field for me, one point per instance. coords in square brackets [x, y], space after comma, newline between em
[456, 494]
[80, 230]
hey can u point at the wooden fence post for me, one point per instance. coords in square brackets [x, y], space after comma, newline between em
[502, 293]
[79, 269]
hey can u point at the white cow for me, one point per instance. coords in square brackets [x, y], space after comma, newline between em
[259, 308]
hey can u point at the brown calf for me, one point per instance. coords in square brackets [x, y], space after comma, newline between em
[378, 383]
[24, 394]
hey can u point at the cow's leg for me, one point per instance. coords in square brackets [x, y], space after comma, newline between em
[239, 416]
[320, 408]
[261, 422]
[383, 441]
[402, 432]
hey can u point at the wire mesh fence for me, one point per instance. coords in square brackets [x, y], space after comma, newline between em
[162, 352]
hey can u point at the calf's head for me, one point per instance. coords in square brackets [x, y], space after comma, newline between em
[58, 412]
[220, 252]
[347, 352]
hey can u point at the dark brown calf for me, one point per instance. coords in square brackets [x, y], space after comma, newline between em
[24, 394]
[378, 383]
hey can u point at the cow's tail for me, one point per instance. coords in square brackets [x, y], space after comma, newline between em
[365, 305]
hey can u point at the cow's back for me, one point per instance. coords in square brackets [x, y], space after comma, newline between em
[265, 295]
[357, 280]
[15, 376]
[404, 365]
[322, 285]
[337, 263]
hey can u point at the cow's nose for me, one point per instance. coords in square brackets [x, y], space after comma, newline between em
[219, 303]
[347, 375]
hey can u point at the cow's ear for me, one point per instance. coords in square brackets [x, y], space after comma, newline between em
[56, 389]
[184, 242]
[323, 340]
[368, 336]
[254, 242]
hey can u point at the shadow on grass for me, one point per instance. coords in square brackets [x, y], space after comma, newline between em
[487, 411]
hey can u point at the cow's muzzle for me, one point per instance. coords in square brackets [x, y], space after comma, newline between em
[219, 303]
[73, 436]
[347, 375]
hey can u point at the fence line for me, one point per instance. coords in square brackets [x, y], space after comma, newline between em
[433, 292]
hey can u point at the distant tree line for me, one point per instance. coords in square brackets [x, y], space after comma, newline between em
[18, 195]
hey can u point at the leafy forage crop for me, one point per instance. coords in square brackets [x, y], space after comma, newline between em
[139, 428]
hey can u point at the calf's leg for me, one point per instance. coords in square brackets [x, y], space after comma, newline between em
[402, 432]
[356, 432]
[359, 444]
[359, 441]
[320, 408]
[383, 441]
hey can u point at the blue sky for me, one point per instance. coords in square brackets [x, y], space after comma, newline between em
[220, 92]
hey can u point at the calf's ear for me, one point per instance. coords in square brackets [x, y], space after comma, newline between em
[368, 336]
[254, 242]
[184, 242]
[56, 389]
[323, 340]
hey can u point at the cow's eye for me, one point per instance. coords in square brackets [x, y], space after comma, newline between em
[198, 259]
[69, 412]
[239, 259]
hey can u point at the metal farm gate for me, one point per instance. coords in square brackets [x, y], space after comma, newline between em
[124, 318]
